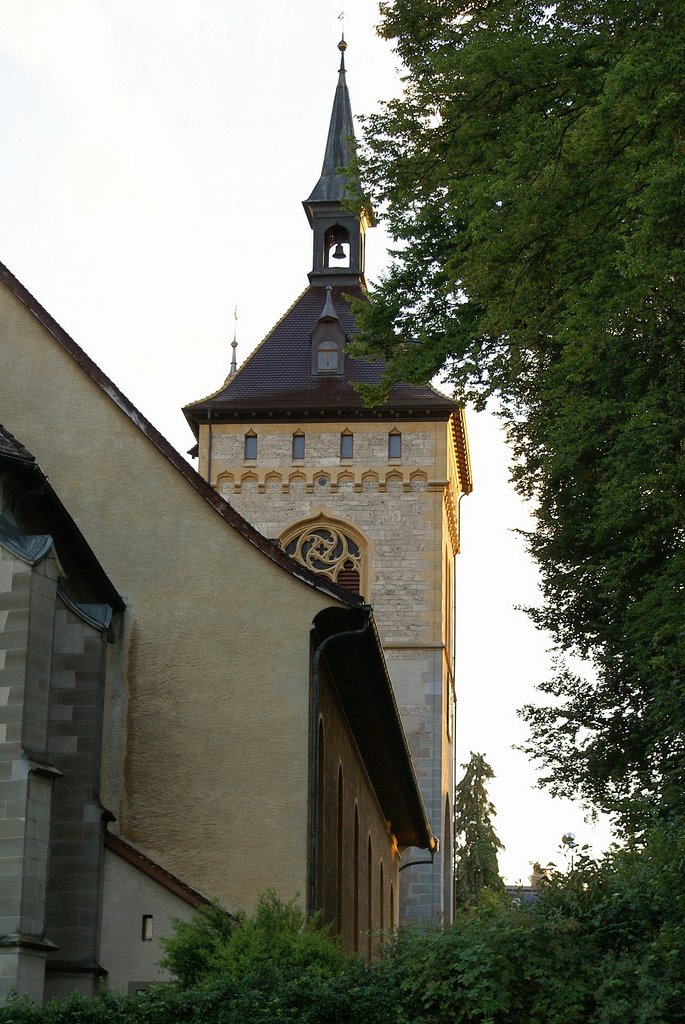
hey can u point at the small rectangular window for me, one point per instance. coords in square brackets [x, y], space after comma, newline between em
[346, 446]
[394, 446]
[250, 447]
[298, 447]
[146, 933]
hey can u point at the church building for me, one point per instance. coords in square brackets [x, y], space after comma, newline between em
[366, 498]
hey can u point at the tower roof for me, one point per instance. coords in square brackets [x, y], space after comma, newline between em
[340, 145]
[276, 381]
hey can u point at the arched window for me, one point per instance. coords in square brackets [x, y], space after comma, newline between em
[328, 356]
[329, 549]
[355, 924]
[381, 902]
[392, 906]
[339, 855]
[337, 247]
[320, 811]
[369, 895]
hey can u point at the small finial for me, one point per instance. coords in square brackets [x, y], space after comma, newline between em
[328, 312]
[234, 343]
[342, 45]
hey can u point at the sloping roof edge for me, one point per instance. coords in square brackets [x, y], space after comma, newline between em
[157, 439]
[153, 870]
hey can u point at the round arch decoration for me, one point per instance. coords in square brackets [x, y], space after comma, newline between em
[329, 548]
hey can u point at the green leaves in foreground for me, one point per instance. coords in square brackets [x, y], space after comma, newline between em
[605, 944]
[532, 174]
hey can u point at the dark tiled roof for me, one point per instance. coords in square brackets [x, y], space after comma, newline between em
[9, 446]
[277, 376]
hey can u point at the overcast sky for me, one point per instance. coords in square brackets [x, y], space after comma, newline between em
[155, 155]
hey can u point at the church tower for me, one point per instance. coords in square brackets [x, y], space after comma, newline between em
[369, 498]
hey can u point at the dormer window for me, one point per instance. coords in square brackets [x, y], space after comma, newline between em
[328, 341]
[328, 356]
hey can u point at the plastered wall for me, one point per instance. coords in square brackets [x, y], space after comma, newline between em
[214, 763]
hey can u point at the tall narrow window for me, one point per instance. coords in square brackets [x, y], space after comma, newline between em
[346, 445]
[250, 446]
[147, 928]
[298, 447]
[381, 903]
[394, 445]
[320, 811]
[355, 924]
[369, 895]
[339, 856]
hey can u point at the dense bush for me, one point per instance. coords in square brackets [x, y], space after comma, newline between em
[605, 944]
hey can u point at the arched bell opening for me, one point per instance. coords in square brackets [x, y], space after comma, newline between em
[337, 250]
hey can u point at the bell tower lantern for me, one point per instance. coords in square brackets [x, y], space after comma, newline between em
[338, 251]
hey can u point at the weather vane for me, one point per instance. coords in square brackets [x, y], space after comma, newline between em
[341, 17]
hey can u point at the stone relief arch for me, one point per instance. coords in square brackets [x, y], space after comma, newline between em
[332, 548]
[418, 480]
[224, 483]
[394, 481]
[369, 481]
[248, 481]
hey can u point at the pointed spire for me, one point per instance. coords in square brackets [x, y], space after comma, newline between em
[340, 144]
[328, 312]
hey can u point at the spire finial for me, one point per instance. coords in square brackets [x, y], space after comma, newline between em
[234, 343]
[342, 45]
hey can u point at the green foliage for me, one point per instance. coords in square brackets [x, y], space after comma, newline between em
[194, 951]
[605, 944]
[533, 175]
[476, 842]
[275, 941]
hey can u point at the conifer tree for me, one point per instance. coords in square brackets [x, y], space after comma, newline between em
[477, 842]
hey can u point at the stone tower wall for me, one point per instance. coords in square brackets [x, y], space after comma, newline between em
[403, 514]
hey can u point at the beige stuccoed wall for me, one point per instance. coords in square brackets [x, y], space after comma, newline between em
[213, 781]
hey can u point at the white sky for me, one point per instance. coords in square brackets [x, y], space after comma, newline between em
[155, 154]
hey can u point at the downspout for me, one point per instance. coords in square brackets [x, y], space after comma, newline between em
[314, 751]
[209, 447]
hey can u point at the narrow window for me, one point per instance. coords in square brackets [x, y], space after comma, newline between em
[395, 445]
[381, 901]
[146, 930]
[346, 445]
[339, 857]
[298, 447]
[392, 907]
[327, 355]
[369, 895]
[356, 879]
[250, 447]
[320, 811]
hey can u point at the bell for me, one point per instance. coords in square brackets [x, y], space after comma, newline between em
[339, 253]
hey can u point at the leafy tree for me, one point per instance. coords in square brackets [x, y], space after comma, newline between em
[476, 840]
[277, 940]
[533, 176]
